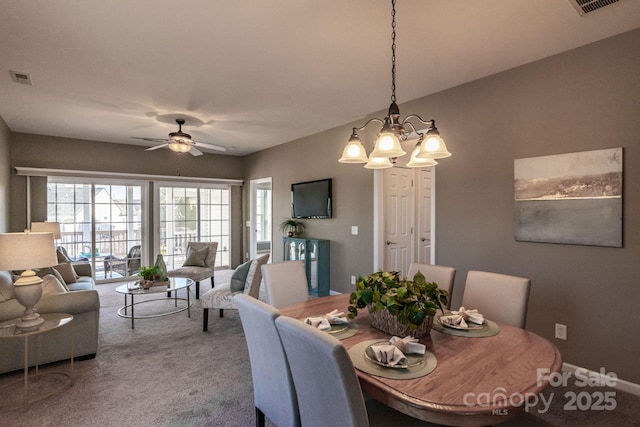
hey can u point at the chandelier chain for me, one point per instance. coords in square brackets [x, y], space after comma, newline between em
[393, 50]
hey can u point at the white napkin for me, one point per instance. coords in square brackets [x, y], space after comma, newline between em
[408, 345]
[454, 320]
[471, 315]
[318, 322]
[389, 354]
[460, 317]
[336, 318]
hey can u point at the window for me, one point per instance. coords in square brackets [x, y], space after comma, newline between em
[189, 214]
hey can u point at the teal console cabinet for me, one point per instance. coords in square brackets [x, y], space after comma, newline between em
[315, 254]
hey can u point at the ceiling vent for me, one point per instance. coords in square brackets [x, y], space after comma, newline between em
[22, 78]
[587, 6]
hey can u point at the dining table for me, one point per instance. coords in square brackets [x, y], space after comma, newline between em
[477, 380]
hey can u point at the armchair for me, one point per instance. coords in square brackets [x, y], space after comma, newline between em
[198, 273]
[124, 266]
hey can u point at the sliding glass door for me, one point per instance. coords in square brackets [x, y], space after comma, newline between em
[100, 222]
[193, 214]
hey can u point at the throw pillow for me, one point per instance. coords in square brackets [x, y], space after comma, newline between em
[67, 272]
[62, 256]
[196, 258]
[51, 285]
[239, 277]
[50, 270]
[252, 284]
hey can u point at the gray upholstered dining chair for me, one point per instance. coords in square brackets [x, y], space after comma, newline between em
[200, 269]
[442, 275]
[274, 394]
[285, 283]
[326, 383]
[498, 296]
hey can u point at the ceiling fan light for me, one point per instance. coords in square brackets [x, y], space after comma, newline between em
[179, 147]
[378, 163]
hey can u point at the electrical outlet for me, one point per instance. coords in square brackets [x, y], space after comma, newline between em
[353, 280]
[561, 331]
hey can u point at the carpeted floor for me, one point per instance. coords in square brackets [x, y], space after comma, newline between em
[167, 372]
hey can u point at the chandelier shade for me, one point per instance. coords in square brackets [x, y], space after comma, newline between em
[388, 145]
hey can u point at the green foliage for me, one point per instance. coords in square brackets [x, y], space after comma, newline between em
[148, 271]
[291, 225]
[411, 301]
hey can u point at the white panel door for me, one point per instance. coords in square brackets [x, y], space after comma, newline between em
[423, 223]
[398, 198]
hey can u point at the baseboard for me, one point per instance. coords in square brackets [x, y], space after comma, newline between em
[621, 384]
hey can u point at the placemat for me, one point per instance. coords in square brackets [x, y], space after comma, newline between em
[489, 329]
[362, 363]
[347, 333]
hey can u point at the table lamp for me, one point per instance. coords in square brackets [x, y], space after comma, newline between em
[24, 251]
[47, 227]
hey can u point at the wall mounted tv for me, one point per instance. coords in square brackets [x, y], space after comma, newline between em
[311, 199]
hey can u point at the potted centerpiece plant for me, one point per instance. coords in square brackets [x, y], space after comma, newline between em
[293, 227]
[148, 274]
[396, 305]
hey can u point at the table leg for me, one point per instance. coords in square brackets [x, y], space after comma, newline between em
[175, 299]
[26, 372]
[72, 346]
[125, 304]
[188, 303]
[132, 315]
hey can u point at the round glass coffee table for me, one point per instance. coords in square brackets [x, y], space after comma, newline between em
[131, 290]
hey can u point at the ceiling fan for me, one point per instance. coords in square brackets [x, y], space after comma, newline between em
[181, 142]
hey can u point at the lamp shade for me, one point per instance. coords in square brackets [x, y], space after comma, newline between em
[354, 152]
[387, 145]
[24, 251]
[433, 147]
[378, 163]
[47, 227]
[415, 162]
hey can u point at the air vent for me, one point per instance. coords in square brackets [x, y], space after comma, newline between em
[22, 78]
[587, 6]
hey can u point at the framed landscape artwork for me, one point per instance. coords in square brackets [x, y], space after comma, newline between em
[573, 198]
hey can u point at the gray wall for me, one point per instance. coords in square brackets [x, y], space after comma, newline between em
[584, 99]
[5, 177]
[63, 153]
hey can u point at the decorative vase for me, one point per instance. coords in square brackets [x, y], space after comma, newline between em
[162, 268]
[390, 324]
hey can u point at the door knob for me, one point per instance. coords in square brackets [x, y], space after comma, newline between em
[390, 243]
[424, 239]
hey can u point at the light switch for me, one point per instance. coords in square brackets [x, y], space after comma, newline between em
[354, 230]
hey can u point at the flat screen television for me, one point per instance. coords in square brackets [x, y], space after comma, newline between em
[311, 199]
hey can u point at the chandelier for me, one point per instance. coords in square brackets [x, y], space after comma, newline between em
[388, 148]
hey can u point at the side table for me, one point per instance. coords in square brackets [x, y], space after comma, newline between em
[52, 321]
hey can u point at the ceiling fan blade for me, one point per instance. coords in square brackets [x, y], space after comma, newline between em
[156, 147]
[150, 139]
[210, 146]
[195, 152]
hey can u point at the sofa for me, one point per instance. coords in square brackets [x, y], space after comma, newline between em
[83, 303]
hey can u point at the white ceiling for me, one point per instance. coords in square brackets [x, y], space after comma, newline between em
[252, 74]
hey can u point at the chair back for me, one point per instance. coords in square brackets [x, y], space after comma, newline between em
[442, 275]
[133, 259]
[273, 389]
[325, 380]
[210, 260]
[498, 296]
[285, 283]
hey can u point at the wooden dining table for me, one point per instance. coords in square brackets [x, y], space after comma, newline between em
[477, 381]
